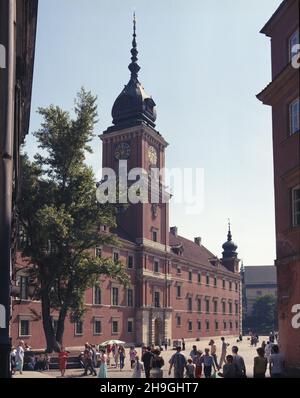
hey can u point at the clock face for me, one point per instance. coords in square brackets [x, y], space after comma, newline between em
[152, 155]
[122, 151]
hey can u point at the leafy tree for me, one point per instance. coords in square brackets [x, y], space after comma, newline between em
[264, 315]
[61, 217]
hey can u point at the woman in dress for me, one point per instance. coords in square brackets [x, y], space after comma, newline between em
[103, 365]
[63, 358]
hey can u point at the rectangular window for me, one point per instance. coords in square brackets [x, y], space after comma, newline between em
[236, 309]
[199, 278]
[178, 291]
[190, 276]
[97, 327]
[156, 266]
[178, 321]
[230, 285]
[230, 325]
[190, 326]
[207, 325]
[258, 292]
[129, 297]
[199, 325]
[224, 325]
[116, 257]
[236, 287]
[24, 287]
[296, 206]
[130, 262]
[115, 327]
[223, 307]
[178, 270]
[223, 283]
[78, 328]
[236, 325]
[115, 296]
[130, 326]
[98, 252]
[24, 328]
[190, 304]
[215, 281]
[294, 40]
[156, 299]
[207, 306]
[215, 306]
[294, 116]
[154, 236]
[97, 295]
[230, 308]
[207, 280]
[199, 305]
[216, 325]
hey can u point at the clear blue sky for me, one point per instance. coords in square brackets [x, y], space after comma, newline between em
[203, 61]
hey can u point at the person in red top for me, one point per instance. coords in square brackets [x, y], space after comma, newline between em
[63, 358]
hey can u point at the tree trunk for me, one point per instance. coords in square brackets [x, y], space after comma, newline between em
[52, 344]
[61, 325]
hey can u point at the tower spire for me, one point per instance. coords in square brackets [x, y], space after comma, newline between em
[133, 66]
[229, 236]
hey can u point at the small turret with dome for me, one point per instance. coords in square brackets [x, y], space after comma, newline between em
[229, 246]
[134, 104]
[230, 256]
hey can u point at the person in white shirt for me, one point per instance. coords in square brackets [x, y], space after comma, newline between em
[276, 363]
[138, 368]
[20, 356]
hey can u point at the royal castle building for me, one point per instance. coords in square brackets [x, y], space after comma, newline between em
[178, 287]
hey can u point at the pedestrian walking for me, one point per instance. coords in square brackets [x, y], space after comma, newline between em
[260, 364]
[277, 363]
[138, 368]
[198, 363]
[146, 359]
[229, 369]
[190, 369]
[213, 351]
[183, 344]
[224, 346]
[178, 361]
[102, 374]
[239, 362]
[208, 363]
[132, 356]
[20, 356]
[63, 359]
[194, 353]
[122, 356]
[156, 365]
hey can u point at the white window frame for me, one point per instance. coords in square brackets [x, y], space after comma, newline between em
[94, 295]
[130, 256]
[75, 328]
[97, 319]
[117, 253]
[112, 296]
[127, 301]
[180, 288]
[112, 326]
[294, 117]
[21, 319]
[132, 321]
[293, 40]
[156, 261]
[294, 204]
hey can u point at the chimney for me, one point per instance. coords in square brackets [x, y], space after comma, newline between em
[197, 241]
[174, 231]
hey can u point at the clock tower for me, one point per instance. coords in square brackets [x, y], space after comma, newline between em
[134, 142]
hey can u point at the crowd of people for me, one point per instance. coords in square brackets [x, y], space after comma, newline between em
[150, 364]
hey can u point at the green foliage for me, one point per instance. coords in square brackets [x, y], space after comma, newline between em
[59, 212]
[264, 315]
